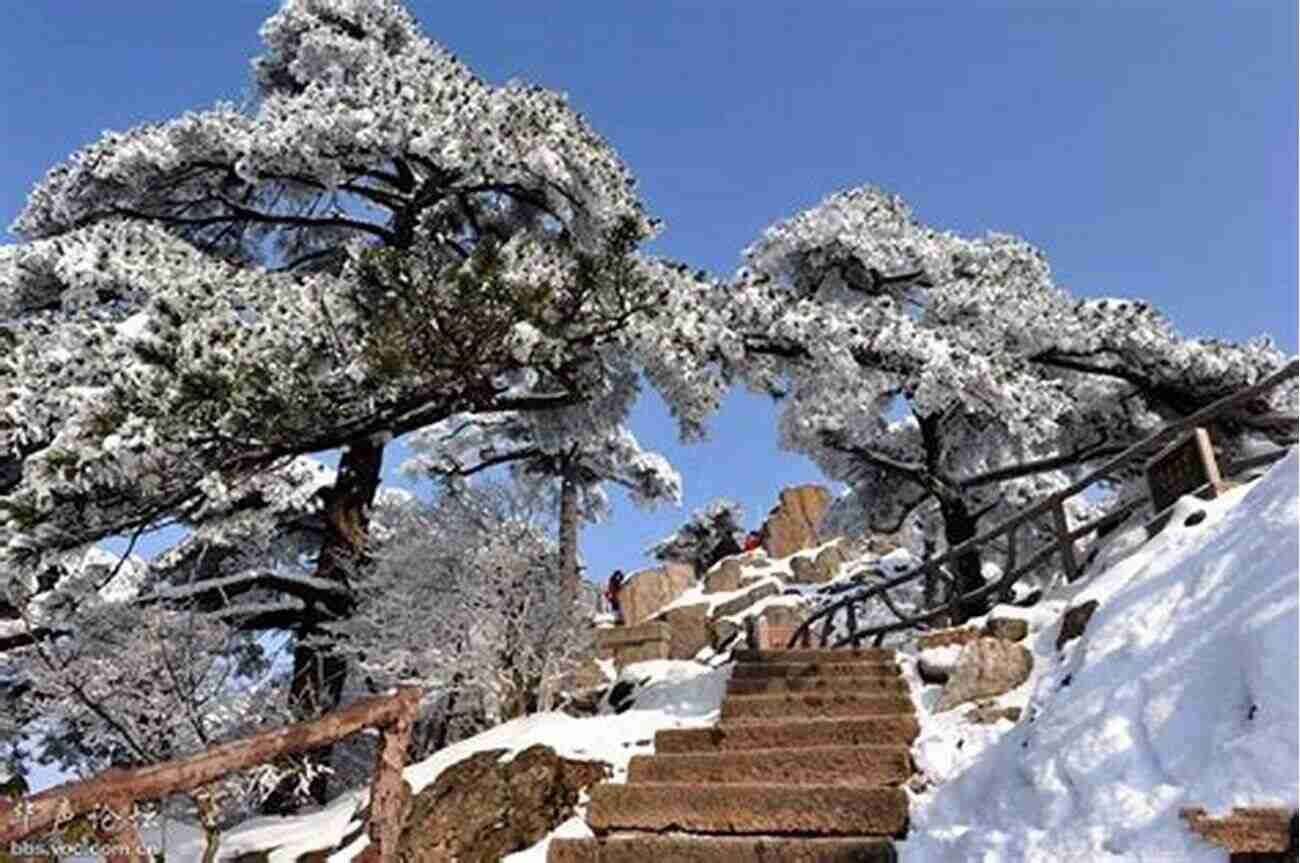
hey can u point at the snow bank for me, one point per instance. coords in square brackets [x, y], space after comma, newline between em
[1182, 691]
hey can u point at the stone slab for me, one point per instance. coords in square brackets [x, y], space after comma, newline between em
[815, 654]
[812, 669]
[738, 809]
[617, 636]
[876, 684]
[743, 708]
[722, 849]
[817, 765]
[856, 731]
[745, 600]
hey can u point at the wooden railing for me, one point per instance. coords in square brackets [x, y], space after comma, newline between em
[1063, 540]
[117, 791]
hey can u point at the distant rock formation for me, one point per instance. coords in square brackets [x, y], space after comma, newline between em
[792, 524]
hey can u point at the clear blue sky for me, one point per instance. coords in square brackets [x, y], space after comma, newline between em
[1149, 149]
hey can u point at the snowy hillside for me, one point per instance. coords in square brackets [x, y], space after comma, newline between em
[1182, 691]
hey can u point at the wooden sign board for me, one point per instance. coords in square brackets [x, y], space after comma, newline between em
[1183, 468]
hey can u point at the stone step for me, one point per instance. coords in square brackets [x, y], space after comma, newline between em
[816, 654]
[882, 683]
[816, 765]
[898, 730]
[791, 705]
[618, 636]
[721, 849]
[814, 669]
[746, 809]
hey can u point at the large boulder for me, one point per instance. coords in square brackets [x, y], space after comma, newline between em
[690, 630]
[478, 810]
[649, 590]
[829, 560]
[1007, 628]
[986, 668]
[803, 570]
[792, 524]
[724, 577]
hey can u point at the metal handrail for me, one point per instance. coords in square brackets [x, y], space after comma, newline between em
[1053, 504]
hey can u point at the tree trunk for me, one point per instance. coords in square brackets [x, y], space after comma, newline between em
[318, 670]
[569, 536]
[959, 526]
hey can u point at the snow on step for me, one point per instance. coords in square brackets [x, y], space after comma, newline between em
[857, 731]
[721, 849]
[742, 708]
[876, 684]
[817, 765]
[878, 655]
[737, 809]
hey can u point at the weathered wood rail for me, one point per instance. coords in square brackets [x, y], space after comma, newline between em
[118, 790]
[1053, 506]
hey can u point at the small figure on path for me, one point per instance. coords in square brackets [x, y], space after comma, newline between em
[611, 595]
[752, 541]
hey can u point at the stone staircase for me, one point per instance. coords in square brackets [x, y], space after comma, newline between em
[805, 766]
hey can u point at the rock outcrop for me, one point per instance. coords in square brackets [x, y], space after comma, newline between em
[792, 524]
[1074, 621]
[829, 560]
[987, 667]
[478, 810]
[1007, 628]
[724, 577]
[649, 590]
[690, 630]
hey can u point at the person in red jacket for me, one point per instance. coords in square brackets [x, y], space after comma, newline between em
[612, 591]
[752, 541]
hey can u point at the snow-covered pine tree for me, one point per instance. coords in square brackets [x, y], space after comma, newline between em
[570, 453]
[946, 378]
[696, 542]
[378, 242]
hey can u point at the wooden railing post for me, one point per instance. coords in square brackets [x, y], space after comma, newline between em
[389, 792]
[828, 627]
[1064, 542]
[40, 813]
[851, 611]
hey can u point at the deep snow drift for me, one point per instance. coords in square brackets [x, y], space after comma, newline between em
[1182, 691]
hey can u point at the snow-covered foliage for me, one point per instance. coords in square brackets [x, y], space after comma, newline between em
[462, 601]
[378, 241]
[696, 541]
[98, 674]
[945, 378]
[589, 444]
